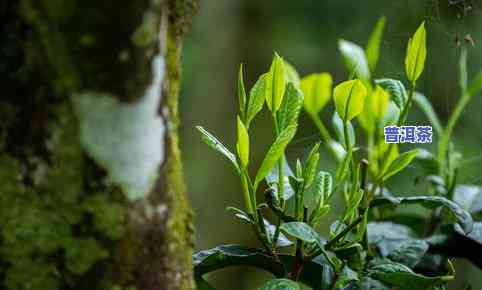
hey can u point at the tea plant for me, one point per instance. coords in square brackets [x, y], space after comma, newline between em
[370, 245]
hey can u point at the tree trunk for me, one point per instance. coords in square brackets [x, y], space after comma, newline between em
[91, 184]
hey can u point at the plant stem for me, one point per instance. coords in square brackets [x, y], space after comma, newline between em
[343, 233]
[246, 193]
[447, 133]
[280, 182]
[299, 258]
[251, 191]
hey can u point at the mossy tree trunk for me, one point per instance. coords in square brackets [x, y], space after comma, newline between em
[91, 185]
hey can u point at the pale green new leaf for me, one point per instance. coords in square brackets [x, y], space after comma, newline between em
[379, 103]
[396, 89]
[355, 59]
[275, 84]
[243, 143]
[302, 231]
[280, 284]
[338, 126]
[214, 143]
[291, 107]
[319, 190]
[317, 91]
[311, 165]
[416, 54]
[241, 92]
[242, 215]
[275, 152]
[397, 165]
[291, 75]
[257, 95]
[342, 169]
[373, 46]
[349, 99]
[424, 104]
[272, 180]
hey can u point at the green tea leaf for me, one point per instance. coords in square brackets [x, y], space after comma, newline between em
[397, 165]
[416, 54]
[291, 75]
[319, 190]
[343, 167]
[346, 278]
[402, 277]
[355, 59]
[353, 200]
[367, 283]
[317, 91]
[373, 46]
[240, 214]
[469, 197]
[243, 143]
[235, 255]
[387, 236]
[476, 85]
[454, 242]
[257, 95]
[275, 152]
[214, 143]
[280, 284]
[338, 150]
[427, 161]
[272, 180]
[338, 126]
[282, 241]
[241, 92]
[275, 84]
[379, 102]
[396, 89]
[409, 252]
[311, 165]
[349, 99]
[291, 107]
[475, 235]
[316, 273]
[464, 219]
[424, 104]
[392, 115]
[302, 231]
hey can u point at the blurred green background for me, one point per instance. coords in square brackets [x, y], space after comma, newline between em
[305, 32]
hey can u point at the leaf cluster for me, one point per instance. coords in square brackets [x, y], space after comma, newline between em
[370, 245]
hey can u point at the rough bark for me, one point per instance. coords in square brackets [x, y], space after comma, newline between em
[67, 220]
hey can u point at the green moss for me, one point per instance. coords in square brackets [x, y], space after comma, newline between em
[181, 14]
[51, 230]
[180, 227]
[108, 216]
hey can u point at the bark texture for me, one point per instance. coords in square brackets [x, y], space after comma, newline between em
[66, 221]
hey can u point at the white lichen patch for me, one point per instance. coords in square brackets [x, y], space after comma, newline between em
[125, 139]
